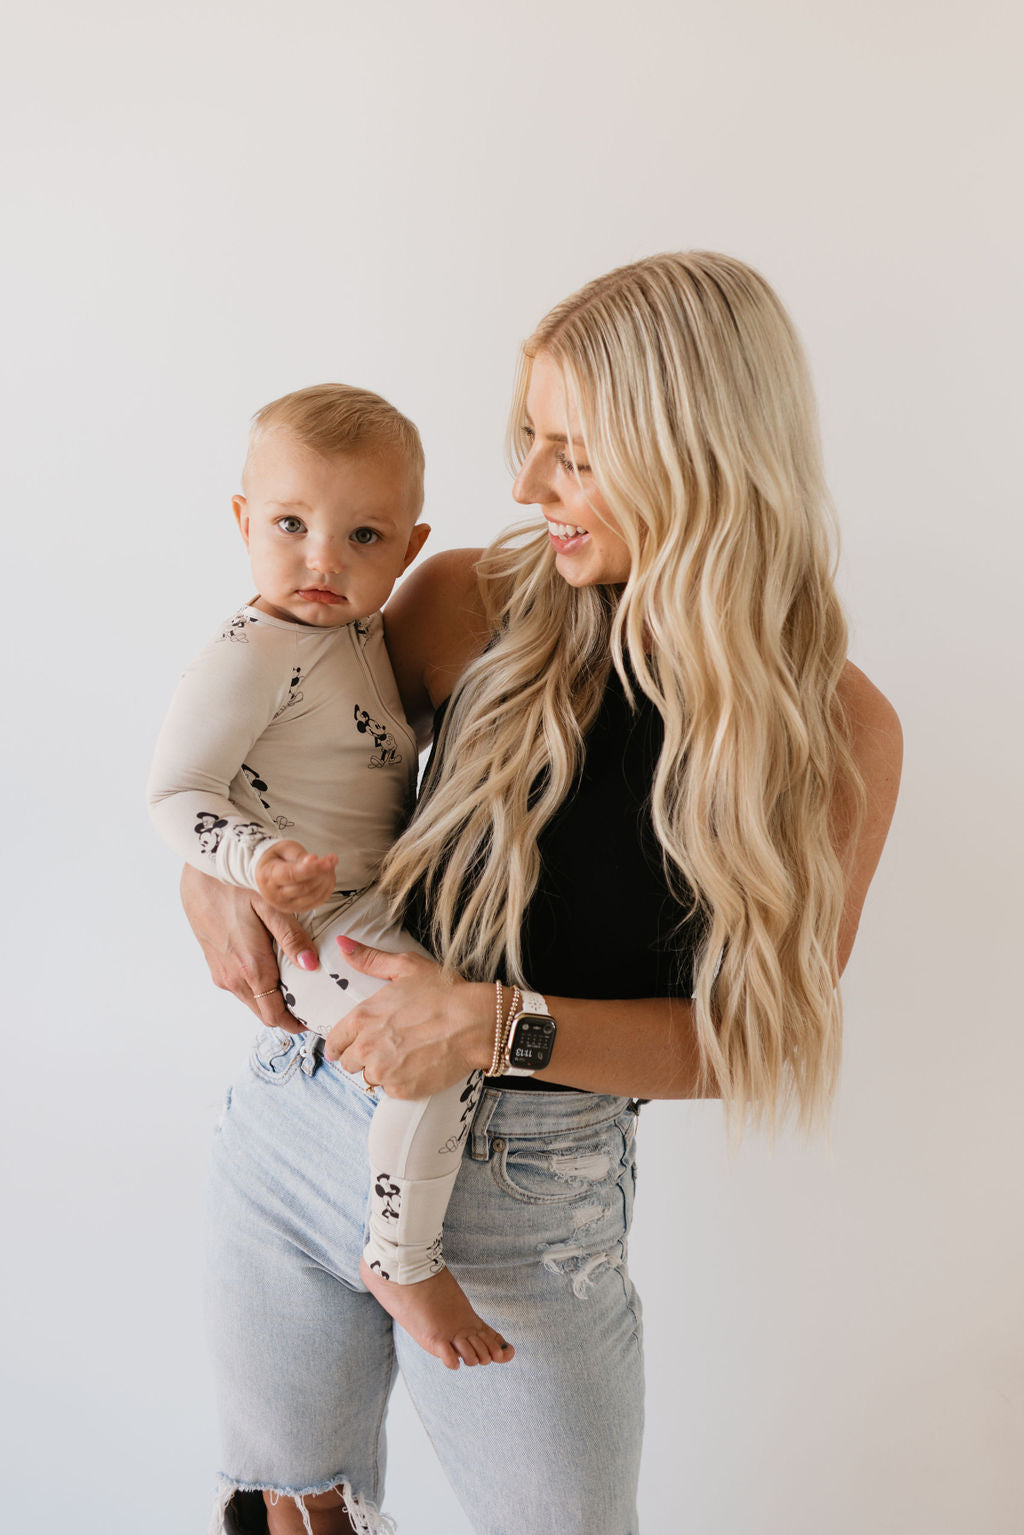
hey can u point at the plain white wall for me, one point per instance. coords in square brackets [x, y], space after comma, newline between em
[213, 203]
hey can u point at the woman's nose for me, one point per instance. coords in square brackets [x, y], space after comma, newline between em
[532, 486]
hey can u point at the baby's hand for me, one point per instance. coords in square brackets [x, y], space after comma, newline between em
[293, 880]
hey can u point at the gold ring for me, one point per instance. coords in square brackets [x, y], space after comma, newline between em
[368, 1086]
[273, 992]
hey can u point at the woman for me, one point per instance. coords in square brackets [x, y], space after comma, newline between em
[658, 797]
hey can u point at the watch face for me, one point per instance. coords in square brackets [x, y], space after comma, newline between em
[531, 1041]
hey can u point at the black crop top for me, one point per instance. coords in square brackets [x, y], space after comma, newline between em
[602, 921]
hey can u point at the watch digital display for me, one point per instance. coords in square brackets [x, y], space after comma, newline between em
[531, 1042]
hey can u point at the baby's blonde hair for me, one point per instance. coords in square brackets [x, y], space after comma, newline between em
[339, 418]
[700, 428]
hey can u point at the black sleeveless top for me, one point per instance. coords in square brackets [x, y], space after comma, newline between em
[602, 921]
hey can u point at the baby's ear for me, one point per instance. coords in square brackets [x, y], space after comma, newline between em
[240, 507]
[417, 539]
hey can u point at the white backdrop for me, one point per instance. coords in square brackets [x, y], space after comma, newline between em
[212, 203]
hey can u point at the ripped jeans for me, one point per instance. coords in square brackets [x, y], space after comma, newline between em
[536, 1233]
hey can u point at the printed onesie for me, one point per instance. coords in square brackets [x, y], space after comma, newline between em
[281, 731]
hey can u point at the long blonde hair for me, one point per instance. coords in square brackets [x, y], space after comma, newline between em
[700, 428]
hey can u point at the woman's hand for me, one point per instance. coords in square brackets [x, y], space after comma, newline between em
[233, 933]
[422, 1032]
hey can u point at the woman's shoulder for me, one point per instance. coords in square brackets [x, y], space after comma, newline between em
[434, 626]
[876, 742]
[874, 725]
[449, 573]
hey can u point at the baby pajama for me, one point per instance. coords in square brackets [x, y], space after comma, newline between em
[281, 731]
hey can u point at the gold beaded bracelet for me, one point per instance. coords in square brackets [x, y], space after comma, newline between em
[502, 1021]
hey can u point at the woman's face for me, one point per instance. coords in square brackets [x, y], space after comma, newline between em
[588, 551]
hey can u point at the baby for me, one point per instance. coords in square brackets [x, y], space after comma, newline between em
[287, 734]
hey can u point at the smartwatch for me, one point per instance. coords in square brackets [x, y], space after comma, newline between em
[531, 1038]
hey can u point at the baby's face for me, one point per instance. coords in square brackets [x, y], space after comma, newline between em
[327, 538]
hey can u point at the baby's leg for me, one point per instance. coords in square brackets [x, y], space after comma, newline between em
[415, 1149]
[318, 998]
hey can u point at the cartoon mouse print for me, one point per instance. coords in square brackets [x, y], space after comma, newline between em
[344, 898]
[386, 753]
[390, 1195]
[250, 834]
[436, 1261]
[294, 692]
[291, 1004]
[209, 828]
[236, 629]
[260, 787]
[256, 783]
[468, 1098]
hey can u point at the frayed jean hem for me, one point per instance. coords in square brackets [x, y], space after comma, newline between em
[363, 1516]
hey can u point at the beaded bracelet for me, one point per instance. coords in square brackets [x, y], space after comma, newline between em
[501, 1027]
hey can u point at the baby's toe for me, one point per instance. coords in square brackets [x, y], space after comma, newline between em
[471, 1349]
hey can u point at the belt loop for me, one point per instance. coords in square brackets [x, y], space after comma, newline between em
[479, 1141]
[311, 1052]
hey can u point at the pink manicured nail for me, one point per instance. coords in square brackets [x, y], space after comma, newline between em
[308, 960]
[347, 945]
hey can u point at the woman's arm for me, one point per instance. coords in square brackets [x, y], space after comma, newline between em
[424, 1031]
[434, 626]
[877, 745]
[648, 1048]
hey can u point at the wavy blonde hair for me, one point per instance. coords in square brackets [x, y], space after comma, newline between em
[699, 423]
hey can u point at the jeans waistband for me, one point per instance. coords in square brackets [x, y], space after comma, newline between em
[525, 1114]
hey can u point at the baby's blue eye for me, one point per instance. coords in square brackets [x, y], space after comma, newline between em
[365, 536]
[291, 525]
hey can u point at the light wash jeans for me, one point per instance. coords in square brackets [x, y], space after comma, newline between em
[536, 1233]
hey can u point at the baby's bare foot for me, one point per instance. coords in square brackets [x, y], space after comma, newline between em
[437, 1313]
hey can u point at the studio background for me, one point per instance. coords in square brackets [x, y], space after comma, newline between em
[211, 204]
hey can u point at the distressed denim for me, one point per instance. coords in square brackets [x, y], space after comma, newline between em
[536, 1233]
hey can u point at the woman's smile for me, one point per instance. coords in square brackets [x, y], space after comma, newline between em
[567, 538]
[555, 477]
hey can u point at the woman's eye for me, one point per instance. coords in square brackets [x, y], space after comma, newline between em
[571, 468]
[291, 525]
[365, 536]
[529, 433]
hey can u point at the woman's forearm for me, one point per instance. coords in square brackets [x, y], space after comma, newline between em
[643, 1048]
[425, 1029]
